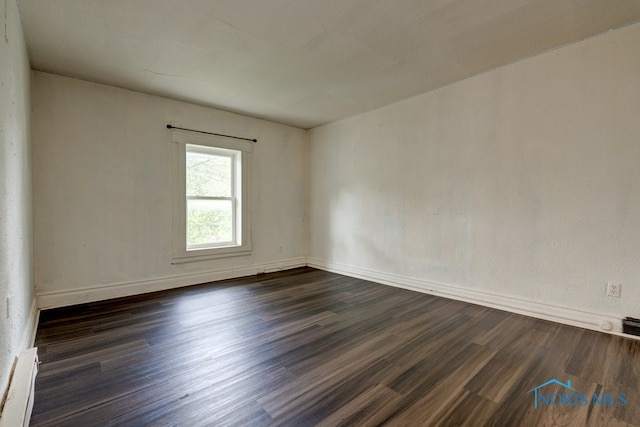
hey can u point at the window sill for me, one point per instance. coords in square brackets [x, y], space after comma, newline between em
[208, 254]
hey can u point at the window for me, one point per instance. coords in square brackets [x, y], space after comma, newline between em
[211, 185]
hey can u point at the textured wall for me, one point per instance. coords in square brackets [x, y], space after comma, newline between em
[16, 286]
[102, 161]
[523, 181]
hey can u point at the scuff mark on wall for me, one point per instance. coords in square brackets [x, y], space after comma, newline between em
[6, 37]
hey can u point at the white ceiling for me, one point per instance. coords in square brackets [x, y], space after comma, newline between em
[301, 62]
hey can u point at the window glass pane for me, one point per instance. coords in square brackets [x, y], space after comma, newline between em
[208, 175]
[209, 222]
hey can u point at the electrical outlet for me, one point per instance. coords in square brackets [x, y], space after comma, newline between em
[614, 289]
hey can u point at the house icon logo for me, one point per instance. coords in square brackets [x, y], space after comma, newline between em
[535, 390]
[568, 396]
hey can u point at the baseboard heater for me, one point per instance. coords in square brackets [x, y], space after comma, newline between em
[19, 402]
[631, 326]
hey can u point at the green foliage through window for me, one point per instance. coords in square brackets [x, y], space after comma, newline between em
[209, 222]
[208, 175]
[210, 198]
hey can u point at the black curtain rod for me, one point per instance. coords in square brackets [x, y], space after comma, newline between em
[211, 133]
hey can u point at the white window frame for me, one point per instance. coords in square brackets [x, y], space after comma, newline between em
[235, 157]
[214, 145]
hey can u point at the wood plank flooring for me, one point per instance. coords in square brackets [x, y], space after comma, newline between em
[306, 347]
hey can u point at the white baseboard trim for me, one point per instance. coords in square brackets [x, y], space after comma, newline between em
[69, 297]
[31, 326]
[19, 403]
[540, 310]
[565, 315]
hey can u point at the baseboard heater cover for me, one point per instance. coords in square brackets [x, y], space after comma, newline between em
[19, 402]
[631, 326]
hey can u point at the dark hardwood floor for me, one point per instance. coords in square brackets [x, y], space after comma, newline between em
[307, 347]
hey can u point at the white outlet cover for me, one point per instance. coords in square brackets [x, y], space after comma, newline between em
[614, 289]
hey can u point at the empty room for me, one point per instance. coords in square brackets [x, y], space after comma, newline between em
[336, 212]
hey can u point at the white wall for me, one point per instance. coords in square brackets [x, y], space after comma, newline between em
[102, 199]
[16, 286]
[522, 182]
